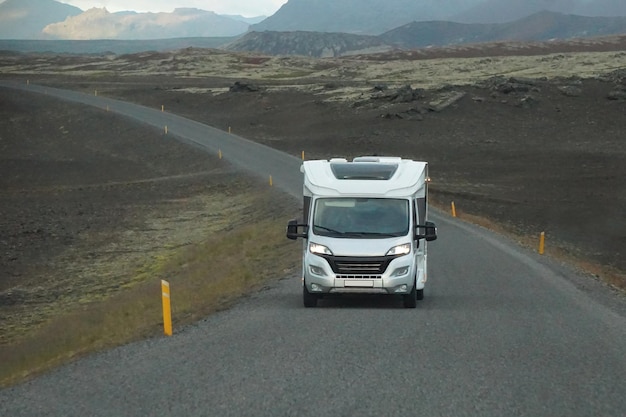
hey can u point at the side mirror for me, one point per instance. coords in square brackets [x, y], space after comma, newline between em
[292, 230]
[431, 231]
[426, 231]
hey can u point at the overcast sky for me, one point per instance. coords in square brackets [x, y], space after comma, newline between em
[248, 8]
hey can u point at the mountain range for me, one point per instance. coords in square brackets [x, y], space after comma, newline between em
[374, 17]
[539, 27]
[318, 27]
[50, 19]
[366, 17]
[181, 23]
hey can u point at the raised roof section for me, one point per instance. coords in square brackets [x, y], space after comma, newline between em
[365, 176]
[363, 170]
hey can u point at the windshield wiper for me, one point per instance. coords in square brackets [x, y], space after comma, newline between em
[380, 234]
[329, 229]
[357, 234]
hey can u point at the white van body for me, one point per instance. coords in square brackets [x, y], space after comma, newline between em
[365, 228]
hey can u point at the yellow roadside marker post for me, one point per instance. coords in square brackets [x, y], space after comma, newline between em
[303, 155]
[453, 209]
[271, 182]
[95, 93]
[229, 130]
[162, 108]
[167, 309]
[219, 153]
[166, 130]
[542, 242]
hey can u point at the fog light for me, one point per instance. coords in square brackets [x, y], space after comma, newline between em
[401, 288]
[315, 287]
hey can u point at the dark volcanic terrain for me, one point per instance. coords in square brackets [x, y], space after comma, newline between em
[533, 155]
[522, 154]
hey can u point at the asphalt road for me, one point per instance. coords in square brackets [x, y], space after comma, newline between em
[502, 332]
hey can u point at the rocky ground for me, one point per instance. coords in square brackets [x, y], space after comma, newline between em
[531, 154]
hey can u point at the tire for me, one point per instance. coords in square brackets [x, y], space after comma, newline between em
[410, 299]
[309, 300]
[420, 294]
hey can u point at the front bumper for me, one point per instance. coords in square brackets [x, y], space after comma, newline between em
[397, 278]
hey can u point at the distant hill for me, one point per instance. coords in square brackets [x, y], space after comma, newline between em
[501, 11]
[25, 19]
[540, 26]
[438, 33]
[314, 44]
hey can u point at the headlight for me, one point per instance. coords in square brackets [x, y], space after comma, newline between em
[400, 250]
[319, 249]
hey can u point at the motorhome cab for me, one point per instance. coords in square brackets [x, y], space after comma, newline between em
[365, 228]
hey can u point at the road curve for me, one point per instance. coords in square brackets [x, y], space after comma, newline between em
[501, 332]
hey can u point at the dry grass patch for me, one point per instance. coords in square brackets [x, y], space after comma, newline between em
[204, 278]
[106, 261]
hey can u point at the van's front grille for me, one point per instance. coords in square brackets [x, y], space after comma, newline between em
[358, 267]
[342, 276]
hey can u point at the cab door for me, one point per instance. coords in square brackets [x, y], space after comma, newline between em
[420, 246]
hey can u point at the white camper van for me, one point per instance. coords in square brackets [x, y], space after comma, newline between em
[365, 228]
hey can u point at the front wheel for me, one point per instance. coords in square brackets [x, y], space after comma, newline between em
[309, 300]
[410, 299]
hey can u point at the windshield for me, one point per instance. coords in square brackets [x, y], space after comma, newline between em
[361, 217]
